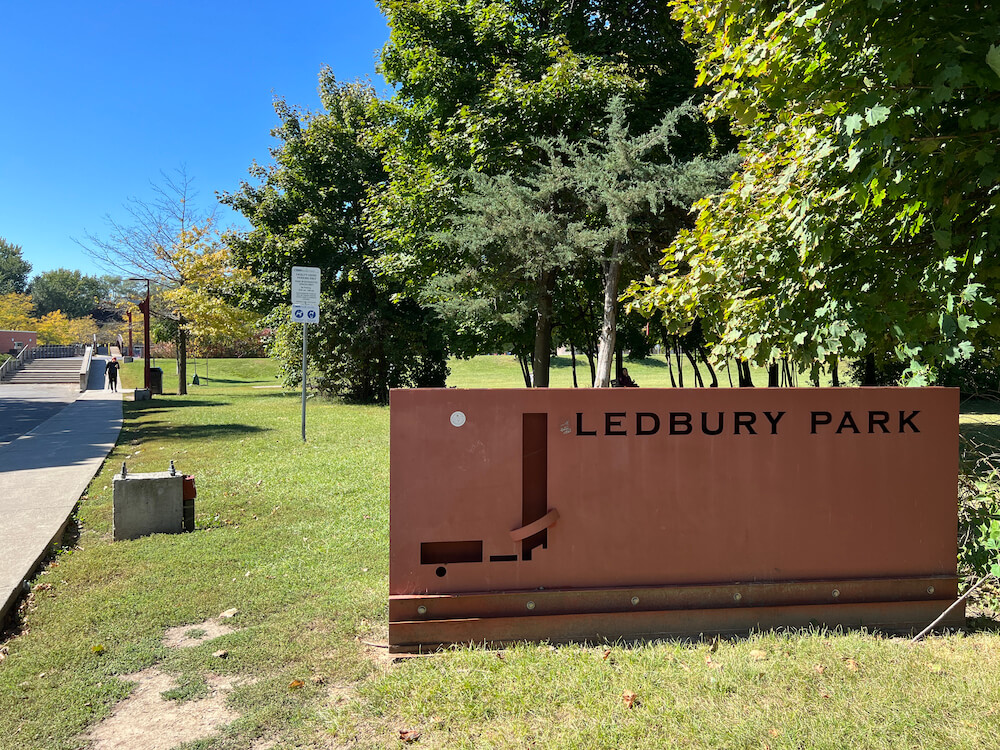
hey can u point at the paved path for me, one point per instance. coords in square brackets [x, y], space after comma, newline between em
[24, 407]
[43, 474]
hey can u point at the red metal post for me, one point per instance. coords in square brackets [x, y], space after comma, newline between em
[144, 306]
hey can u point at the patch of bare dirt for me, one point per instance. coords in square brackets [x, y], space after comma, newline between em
[145, 720]
[186, 636]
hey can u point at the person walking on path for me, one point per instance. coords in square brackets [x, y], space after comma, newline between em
[112, 369]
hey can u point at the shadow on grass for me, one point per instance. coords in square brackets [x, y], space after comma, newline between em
[650, 362]
[205, 380]
[157, 430]
[981, 406]
[983, 624]
[168, 402]
[983, 435]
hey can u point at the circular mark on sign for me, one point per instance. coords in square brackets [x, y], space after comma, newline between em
[441, 572]
[457, 418]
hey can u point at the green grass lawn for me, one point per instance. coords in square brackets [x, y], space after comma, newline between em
[503, 371]
[294, 536]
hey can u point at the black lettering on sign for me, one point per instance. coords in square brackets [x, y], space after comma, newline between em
[680, 423]
[609, 423]
[880, 418]
[848, 421]
[774, 420]
[654, 428]
[819, 418]
[744, 419]
[579, 426]
[704, 424]
[903, 421]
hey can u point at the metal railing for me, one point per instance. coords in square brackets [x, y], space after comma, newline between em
[51, 351]
[8, 368]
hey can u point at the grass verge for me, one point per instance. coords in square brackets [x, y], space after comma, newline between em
[293, 536]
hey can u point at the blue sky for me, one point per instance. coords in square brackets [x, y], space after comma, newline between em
[99, 98]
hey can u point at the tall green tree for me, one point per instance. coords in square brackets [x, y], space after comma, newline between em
[307, 210]
[76, 294]
[865, 221]
[14, 269]
[480, 85]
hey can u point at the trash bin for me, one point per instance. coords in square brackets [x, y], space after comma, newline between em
[156, 380]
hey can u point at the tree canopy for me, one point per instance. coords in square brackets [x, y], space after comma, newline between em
[864, 221]
[75, 294]
[14, 269]
[308, 210]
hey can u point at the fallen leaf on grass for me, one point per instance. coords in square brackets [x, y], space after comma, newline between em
[221, 654]
[773, 732]
[317, 679]
[824, 694]
[629, 699]
[409, 735]
[819, 668]
[758, 655]
[852, 666]
[295, 684]
[229, 613]
[607, 653]
[98, 649]
[712, 664]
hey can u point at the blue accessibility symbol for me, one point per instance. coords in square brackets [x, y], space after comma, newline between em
[299, 313]
[312, 315]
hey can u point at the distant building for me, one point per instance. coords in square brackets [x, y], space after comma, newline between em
[12, 342]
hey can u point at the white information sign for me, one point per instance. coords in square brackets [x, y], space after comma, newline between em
[305, 286]
[305, 310]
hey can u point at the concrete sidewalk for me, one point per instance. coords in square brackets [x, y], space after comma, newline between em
[44, 473]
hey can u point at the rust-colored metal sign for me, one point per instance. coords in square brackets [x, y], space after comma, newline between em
[588, 514]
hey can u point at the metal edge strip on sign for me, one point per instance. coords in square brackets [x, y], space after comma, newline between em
[886, 617]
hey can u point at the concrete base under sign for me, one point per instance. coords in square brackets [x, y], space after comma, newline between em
[145, 504]
[899, 606]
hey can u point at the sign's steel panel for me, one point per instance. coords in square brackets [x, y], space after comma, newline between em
[514, 490]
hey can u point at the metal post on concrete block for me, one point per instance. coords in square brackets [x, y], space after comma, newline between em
[151, 503]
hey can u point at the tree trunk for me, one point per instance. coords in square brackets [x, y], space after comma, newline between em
[773, 375]
[542, 358]
[572, 359]
[182, 388]
[870, 375]
[699, 383]
[618, 364]
[834, 365]
[606, 347]
[592, 361]
[525, 370]
[711, 370]
[680, 365]
[746, 379]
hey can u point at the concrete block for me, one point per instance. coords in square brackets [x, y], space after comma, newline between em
[150, 503]
[141, 394]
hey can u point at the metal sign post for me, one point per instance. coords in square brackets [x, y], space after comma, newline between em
[305, 310]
